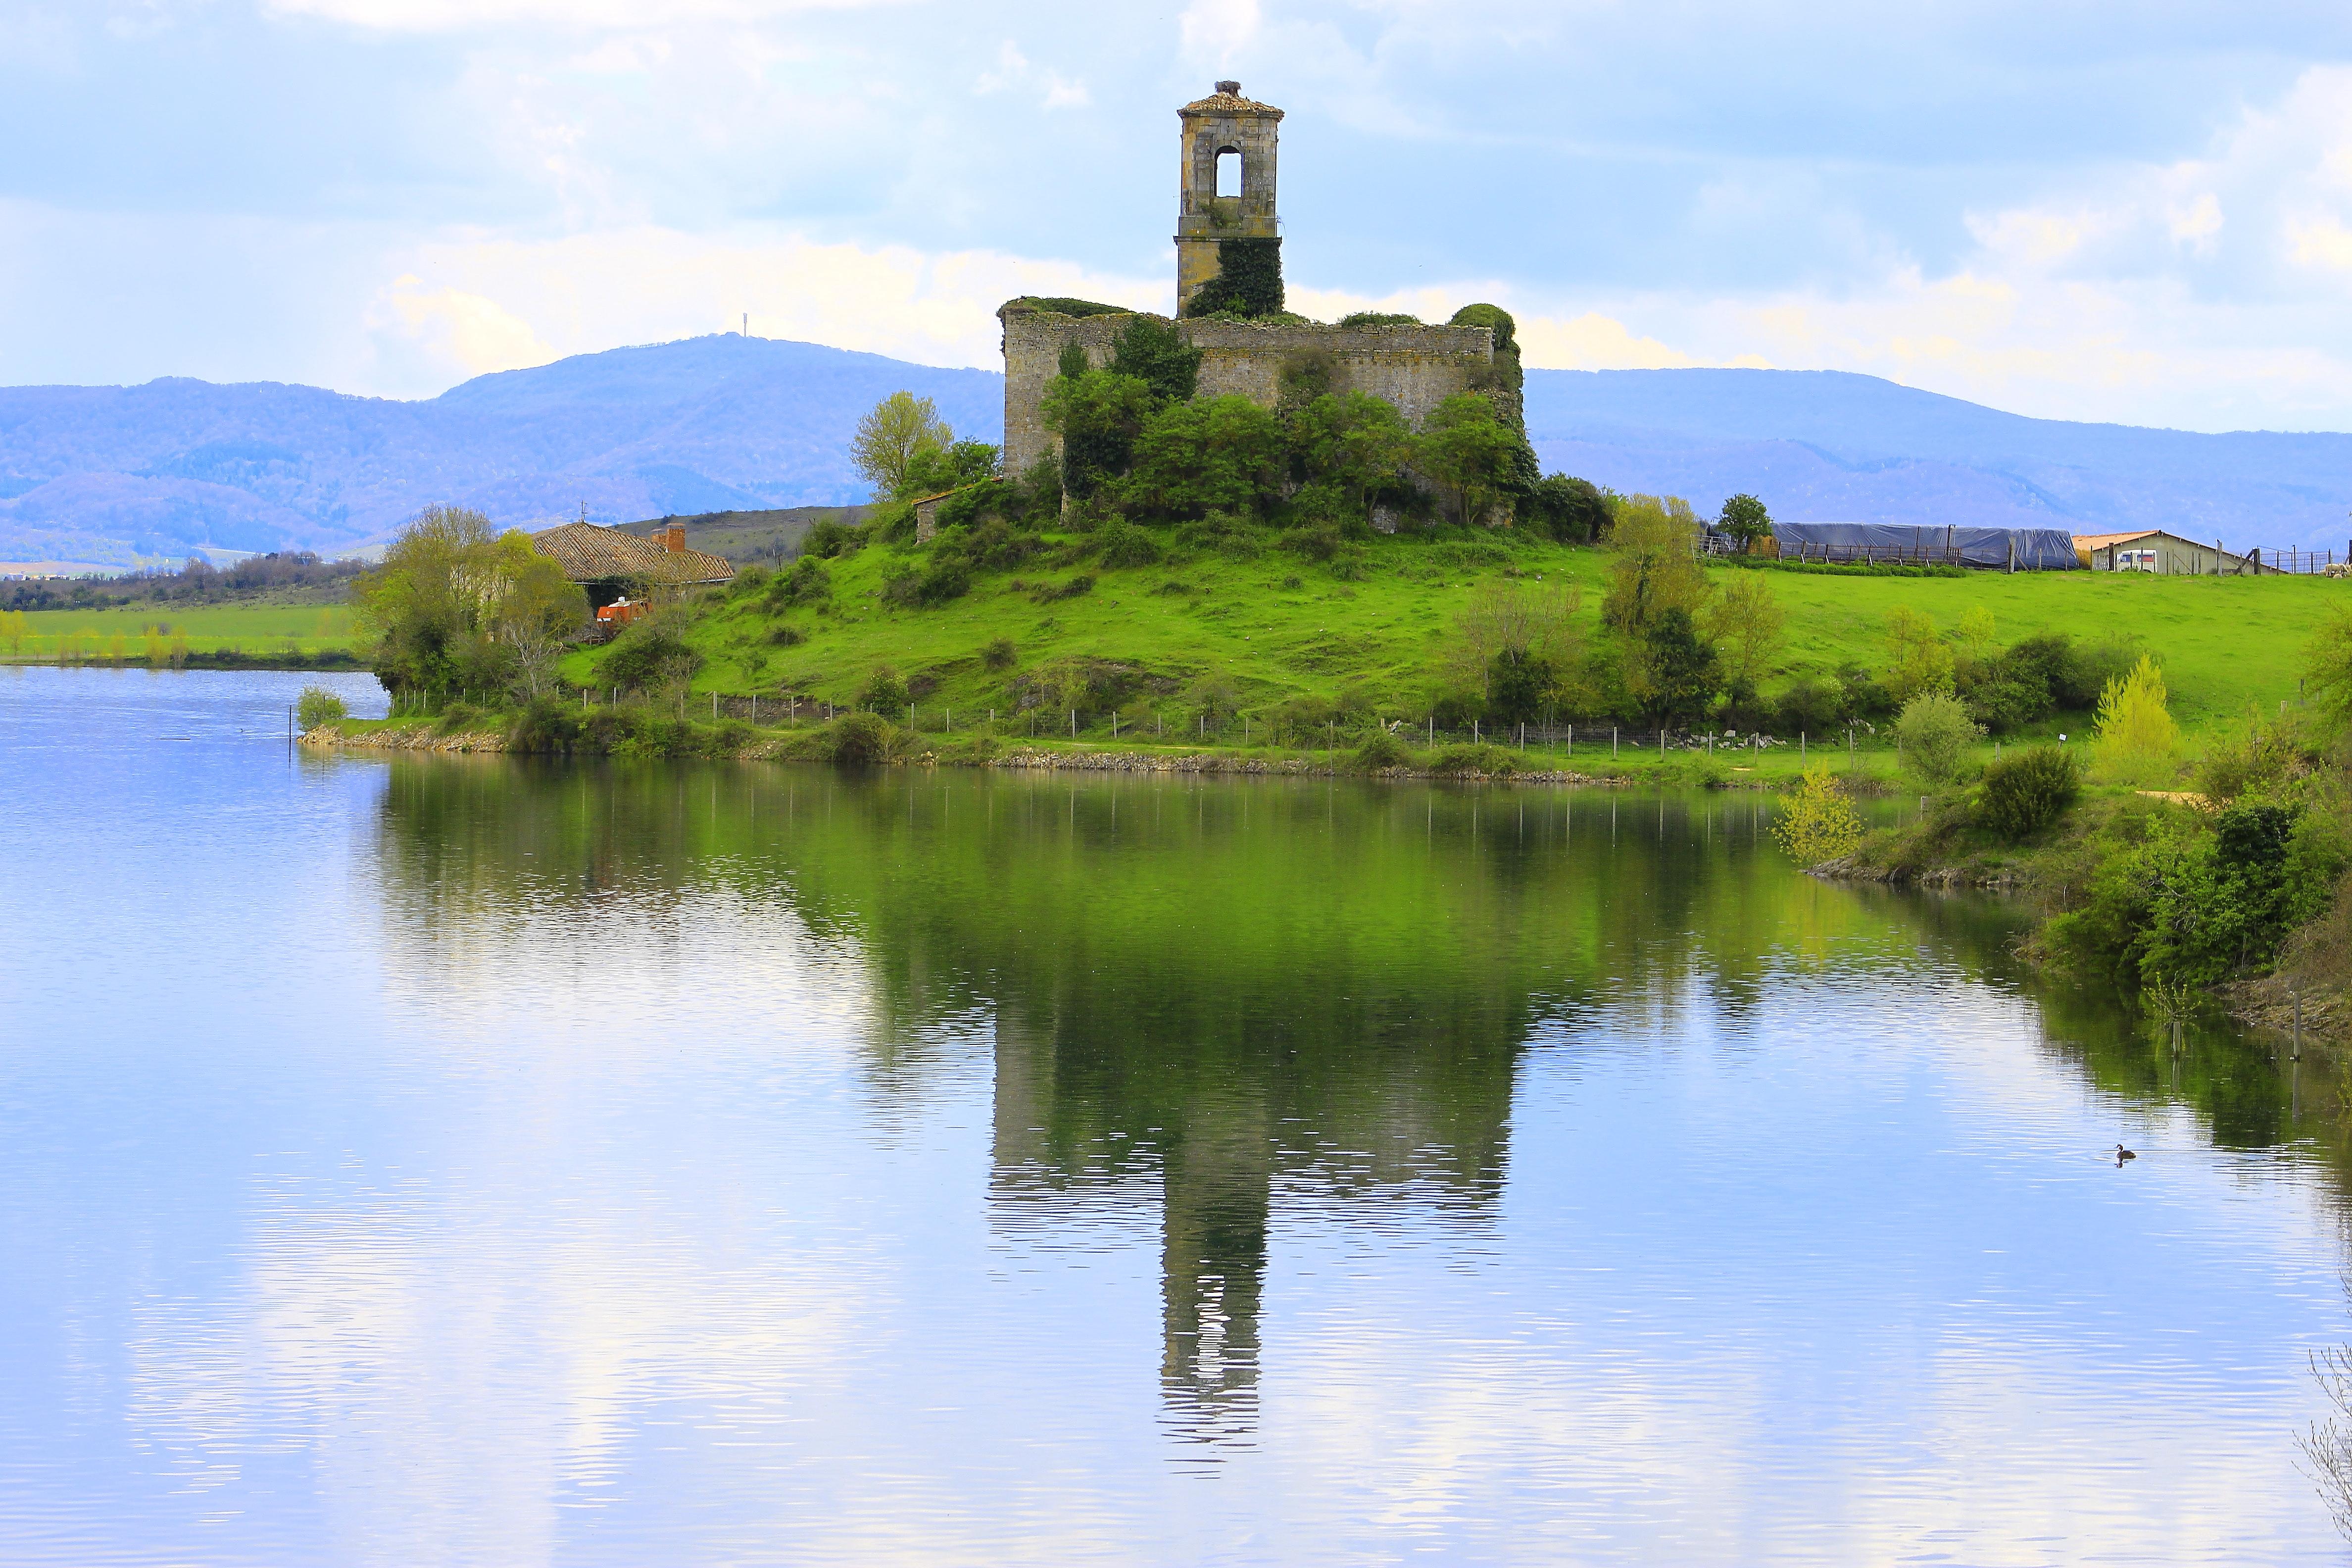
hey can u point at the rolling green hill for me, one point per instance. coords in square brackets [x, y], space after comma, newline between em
[1278, 626]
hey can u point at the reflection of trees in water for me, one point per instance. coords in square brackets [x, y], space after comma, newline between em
[1255, 998]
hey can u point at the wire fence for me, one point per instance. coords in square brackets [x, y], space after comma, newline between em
[1137, 725]
[2302, 562]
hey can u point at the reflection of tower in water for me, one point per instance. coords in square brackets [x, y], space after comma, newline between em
[1217, 1185]
[1102, 1125]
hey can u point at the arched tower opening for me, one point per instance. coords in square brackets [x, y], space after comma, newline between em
[1226, 226]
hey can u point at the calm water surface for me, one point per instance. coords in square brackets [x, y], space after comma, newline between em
[459, 1160]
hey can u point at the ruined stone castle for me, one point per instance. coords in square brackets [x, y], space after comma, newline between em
[1413, 367]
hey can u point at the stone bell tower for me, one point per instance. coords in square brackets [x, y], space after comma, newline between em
[1225, 124]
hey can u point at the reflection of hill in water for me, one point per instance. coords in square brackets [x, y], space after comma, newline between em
[1259, 998]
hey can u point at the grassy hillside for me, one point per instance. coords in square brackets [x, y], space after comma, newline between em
[1278, 626]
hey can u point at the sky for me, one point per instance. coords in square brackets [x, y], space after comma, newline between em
[2140, 214]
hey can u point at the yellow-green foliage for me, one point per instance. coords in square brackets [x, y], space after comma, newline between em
[1922, 661]
[1817, 822]
[2138, 741]
[2327, 665]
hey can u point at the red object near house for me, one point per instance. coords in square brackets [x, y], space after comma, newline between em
[620, 612]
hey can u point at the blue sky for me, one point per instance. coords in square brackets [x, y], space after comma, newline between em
[2140, 214]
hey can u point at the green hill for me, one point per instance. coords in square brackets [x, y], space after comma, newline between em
[1374, 632]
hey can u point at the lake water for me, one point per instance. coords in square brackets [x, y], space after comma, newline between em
[473, 1160]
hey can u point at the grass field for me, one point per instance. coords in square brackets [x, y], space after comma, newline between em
[1278, 626]
[255, 628]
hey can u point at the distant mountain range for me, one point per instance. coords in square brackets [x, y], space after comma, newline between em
[110, 476]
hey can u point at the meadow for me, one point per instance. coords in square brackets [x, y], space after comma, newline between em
[146, 633]
[1276, 627]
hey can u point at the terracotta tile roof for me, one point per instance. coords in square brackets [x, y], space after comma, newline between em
[1230, 103]
[591, 554]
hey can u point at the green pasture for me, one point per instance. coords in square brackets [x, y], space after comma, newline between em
[135, 633]
[1280, 626]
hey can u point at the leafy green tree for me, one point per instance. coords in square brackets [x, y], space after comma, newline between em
[457, 607]
[1745, 520]
[1746, 622]
[1496, 320]
[935, 469]
[890, 434]
[1099, 416]
[1567, 508]
[1469, 453]
[1657, 567]
[2027, 790]
[1212, 454]
[2327, 667]
[2138, 743]
[1819, 822]
[1519, 686]
[1357, 444]
[1154, 352]
[1678, 676]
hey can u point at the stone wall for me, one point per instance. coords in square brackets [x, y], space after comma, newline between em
[1414, 368]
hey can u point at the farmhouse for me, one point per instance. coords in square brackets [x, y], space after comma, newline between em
[2166, 554]
[613, 564]
[1230, 303]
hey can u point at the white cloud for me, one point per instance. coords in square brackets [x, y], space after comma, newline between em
[1216, 31]
[464, 305]
[465, 15]
[1014, 73]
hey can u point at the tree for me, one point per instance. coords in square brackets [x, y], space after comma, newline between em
[457, 607]
[1657, 569]
[532, 608]
[1097, 415]
[1746, 622]
[2138, 743]
[935, 469]
[1745, 519]
[1519, 619]
[2327, 667]
[1567, 508]
[1212, 454]
[1818, 823]
[1357, 444]
[1676, 675]
[1469, 453]
[1921, 660]
[1154, 353]
[890, 434]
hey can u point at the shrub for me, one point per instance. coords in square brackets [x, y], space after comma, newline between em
[1808, 708]
[318, 706]
[1567, 508]
[647, 654]
[860, 739]
[2027, 790]
[1935, 732]
[1490, 760]
[2327, 667]
[783, 633]
[998, 654]
[947, 576]
[1077, 586]
[883, 691]
[2233, 765]
[747, 582]
[808, 582]
[828, 540]
[1122, 544]
[1381, 750]
[1817, 822]
[545, 726]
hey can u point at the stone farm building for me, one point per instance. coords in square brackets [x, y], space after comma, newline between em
[611, 562]
[1413, 367]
